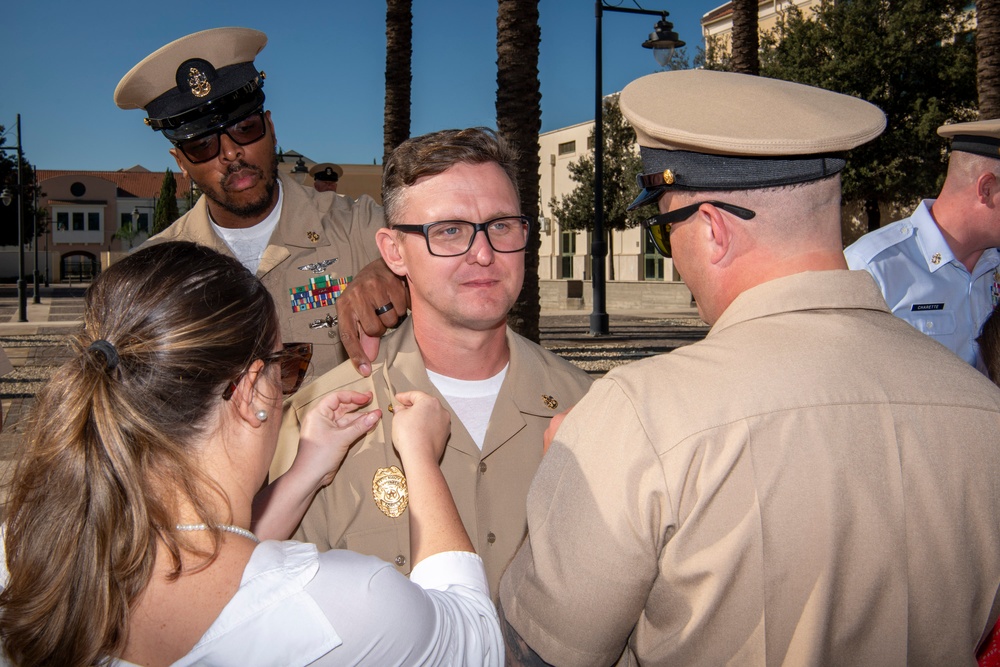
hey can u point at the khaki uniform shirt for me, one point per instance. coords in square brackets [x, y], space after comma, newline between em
[320, 242]
[815, 483]
[489, 487]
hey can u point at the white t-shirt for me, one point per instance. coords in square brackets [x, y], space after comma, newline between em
[248, 245]
[472, 400]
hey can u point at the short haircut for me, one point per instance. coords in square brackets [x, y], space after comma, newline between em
[434, 153]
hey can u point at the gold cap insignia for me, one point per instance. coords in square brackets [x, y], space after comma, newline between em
[389, 491]
[550, 402]
[313, 236]
[936, 259]
[668, 177]
[198, 83]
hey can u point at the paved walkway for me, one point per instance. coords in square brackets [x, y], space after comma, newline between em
[37, 347]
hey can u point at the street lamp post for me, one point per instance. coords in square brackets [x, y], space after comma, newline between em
[663, 40]
[6, 197]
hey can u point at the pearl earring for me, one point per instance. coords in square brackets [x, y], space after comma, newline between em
[262, 415]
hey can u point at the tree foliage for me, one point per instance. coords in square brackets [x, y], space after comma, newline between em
[166, 206]
[911, 58]
[30, 192]
[575, 211]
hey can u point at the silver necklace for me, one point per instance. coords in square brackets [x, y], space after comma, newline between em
[236, 530]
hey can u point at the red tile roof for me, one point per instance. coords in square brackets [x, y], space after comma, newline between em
[134, 182]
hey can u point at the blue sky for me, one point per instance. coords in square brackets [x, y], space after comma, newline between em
[325, 64]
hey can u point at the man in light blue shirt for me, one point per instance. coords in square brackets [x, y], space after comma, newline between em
[939, 269]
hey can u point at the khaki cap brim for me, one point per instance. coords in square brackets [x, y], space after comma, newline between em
[723, 113]
[156, 73]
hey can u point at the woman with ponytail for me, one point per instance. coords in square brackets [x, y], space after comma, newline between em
[132, 531]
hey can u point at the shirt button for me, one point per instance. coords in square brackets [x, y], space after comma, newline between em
[400, 560]
[491, 538]
[482, 466]
[930, 325]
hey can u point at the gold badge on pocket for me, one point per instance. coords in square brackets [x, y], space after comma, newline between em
[389, 491]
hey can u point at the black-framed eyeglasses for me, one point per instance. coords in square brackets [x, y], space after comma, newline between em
[659, 225]
[451, 238]
[245, 131]
[294, 359]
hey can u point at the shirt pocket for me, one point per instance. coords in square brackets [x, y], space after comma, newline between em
[941, 323]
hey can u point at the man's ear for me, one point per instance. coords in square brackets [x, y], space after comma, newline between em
[389, 245]
[987, 187]
[270, 126]
[720, 232]
[178, 158]
[247, 391]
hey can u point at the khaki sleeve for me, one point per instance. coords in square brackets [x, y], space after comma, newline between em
[578, 585]
[288, 442]
[368, 218]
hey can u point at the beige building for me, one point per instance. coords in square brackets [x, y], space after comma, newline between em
[717, 25]
[565, 255]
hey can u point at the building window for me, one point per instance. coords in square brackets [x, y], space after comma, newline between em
[651, 259]
[590, 143]
[141, 225]
[79, 223]
[567, 148]
[567, 250]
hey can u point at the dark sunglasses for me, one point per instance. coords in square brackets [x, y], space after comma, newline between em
[245, 131]
[659, 225]
[294, 359]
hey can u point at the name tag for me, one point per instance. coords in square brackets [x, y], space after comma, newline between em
[926, 306]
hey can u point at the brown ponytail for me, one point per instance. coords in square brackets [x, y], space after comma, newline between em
[107, 448]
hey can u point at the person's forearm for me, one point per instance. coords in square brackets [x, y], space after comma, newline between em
[279, 507]
[435, 525]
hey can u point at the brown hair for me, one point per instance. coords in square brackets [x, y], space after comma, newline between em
[433, 153]
[107, 455]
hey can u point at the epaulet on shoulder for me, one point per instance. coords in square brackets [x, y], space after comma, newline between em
[871, 244]
[543, 357]
[334, 379]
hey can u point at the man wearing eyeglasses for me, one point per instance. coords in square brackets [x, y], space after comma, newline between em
[457, 235]
[314, 251]
[815, 482]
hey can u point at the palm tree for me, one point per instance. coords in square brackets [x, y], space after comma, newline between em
[398, 50]
[988, 57]
[519, 119]
[745, 41]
